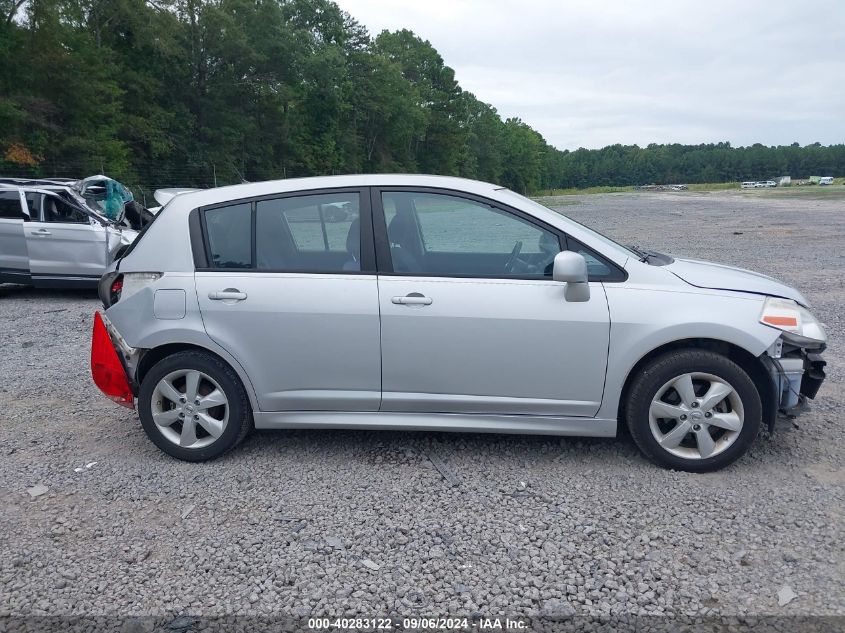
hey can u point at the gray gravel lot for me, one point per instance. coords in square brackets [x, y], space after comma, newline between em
[337, 522]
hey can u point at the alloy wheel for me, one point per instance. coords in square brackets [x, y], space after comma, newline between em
[696, 415]
[189, 408]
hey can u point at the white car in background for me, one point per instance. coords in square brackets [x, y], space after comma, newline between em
[163, 196]
[51, 235]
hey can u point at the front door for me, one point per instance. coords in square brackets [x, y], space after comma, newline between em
[290, 291]
[471, 320]
[65, 245]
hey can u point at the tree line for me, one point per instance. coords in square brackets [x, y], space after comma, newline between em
[203, 92]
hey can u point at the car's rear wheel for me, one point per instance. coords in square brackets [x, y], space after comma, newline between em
[193, 406]
[693, 410]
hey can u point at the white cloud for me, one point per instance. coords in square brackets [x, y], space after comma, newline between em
[590, 73]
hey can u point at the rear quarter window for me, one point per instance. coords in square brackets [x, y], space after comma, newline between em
[229, 234]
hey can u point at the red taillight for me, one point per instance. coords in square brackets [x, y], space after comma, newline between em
[115, 290]
[106, 368]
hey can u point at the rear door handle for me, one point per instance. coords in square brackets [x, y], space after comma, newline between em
[412, 299]
[230, 294]
[40, 232]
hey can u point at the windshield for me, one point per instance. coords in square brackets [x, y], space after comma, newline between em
[105, 196]
[624, 250]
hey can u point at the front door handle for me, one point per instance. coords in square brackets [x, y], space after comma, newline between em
[230, 294]
[40, 232]
[412, 299]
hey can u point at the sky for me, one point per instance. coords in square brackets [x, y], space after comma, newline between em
[594, 73]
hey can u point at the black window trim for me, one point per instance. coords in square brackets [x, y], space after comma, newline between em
[199, 234]
[382, 243]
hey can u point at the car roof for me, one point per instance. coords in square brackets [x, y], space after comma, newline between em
[229, 193]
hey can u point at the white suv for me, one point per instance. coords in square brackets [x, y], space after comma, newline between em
[50, 237]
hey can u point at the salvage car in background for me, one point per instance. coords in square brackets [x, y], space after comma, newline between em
[63, 233]
[438, 303]
[103, 195]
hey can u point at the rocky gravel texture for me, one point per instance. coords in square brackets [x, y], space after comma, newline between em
[338, 522]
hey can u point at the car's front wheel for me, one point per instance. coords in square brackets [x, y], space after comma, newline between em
[693, 410]
[193, 406]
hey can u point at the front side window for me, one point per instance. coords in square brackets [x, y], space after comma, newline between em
[311, 233]
[229, 231]
[439, 234]
[10, 205]
[57, 210]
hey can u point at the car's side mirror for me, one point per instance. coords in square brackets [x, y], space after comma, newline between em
[571, 268]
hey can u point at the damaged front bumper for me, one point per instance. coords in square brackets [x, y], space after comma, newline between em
[797, 375]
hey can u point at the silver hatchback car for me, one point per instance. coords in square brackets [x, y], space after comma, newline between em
[444, 304]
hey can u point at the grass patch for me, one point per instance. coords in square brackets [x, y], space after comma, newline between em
[798, 191]
[828, 192]
[550, 193]
[714, 186]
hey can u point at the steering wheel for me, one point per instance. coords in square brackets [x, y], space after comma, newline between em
[517, 249]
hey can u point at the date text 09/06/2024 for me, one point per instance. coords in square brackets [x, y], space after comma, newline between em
[419, 623]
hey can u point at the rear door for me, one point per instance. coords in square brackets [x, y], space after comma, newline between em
[14, 261]
[288, 287]
[66, 245]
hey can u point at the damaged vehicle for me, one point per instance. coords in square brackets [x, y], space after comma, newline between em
[57, 233]
[438, 303]
[103, 195]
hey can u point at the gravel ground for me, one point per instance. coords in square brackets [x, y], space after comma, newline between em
[335, 522]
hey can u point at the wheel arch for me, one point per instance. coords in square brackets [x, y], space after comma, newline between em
[752, 365]
[153, 355]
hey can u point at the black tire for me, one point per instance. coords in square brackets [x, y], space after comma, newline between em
[673, 364]
[240, 413]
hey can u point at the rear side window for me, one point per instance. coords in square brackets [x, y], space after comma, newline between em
[10, 205]
[312, 233]
[229, 231]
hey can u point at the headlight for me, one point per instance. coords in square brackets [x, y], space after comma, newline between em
[796, 321]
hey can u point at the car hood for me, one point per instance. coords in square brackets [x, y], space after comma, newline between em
[720, 277]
